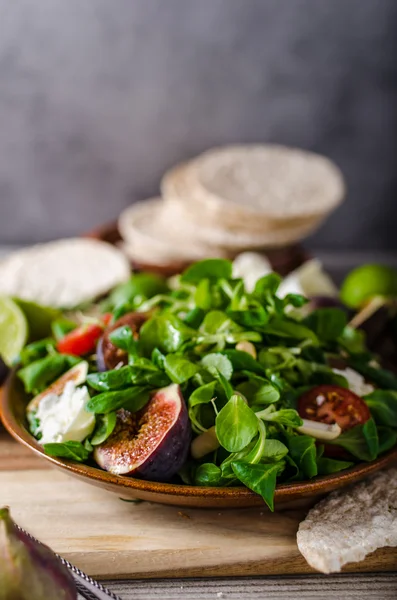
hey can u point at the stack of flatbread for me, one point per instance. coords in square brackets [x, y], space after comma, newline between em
[230, 199]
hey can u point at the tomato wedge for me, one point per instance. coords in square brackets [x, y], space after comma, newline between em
[81, 340]
[333, 404]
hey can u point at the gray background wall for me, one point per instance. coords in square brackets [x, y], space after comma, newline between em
[99, 97]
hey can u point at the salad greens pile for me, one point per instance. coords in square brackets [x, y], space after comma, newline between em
[242, 360]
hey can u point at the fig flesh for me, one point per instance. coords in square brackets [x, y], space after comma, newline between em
[29, 570]
[151, 444]
[108, 355]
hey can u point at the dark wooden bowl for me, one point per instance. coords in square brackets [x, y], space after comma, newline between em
[294, 495]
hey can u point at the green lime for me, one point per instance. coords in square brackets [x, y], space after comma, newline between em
[13, 330]
[39, 318]
[368, 281]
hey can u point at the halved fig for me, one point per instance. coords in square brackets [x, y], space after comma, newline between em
[152, 443]
[77, 374]
[108, 355]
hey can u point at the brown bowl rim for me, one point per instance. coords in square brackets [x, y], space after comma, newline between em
[320, 485]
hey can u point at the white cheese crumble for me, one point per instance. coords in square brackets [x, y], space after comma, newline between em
[64, 418]
[310, 279]
[251, 266]
[357, 383]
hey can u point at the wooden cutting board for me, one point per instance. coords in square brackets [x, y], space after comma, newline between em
[110, 538]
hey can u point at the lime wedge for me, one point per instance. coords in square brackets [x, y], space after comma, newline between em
[368, 281]
[39, 318]
[13, 330]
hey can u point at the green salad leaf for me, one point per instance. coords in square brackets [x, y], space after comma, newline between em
[72, 450]
[236, 424]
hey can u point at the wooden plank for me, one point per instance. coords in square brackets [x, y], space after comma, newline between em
[382, 586]
[112, 539]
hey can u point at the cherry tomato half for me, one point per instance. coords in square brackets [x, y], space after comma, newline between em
[81, 340]
[333, 404]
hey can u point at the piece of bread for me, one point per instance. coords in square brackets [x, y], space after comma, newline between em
[277, 182]
[64, 273]
[217, 232]
[149, 230]
[351, 523]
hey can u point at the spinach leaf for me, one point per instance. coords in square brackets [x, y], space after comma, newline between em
[267, 286]
[72, 450]
[116, 379]
[274, 451]
[361, 441]
[295, 300]
[60, 327]
[352, 340]
[383, 406]
[132, 399]
[303, 452]
[258, 390]
[123, 338]
[104, 427]
[209, 475]
[288, 328]
[254, 315]
[236, 424]
[202, 296]
[140, 287]
[38, 375]
[259, 478]
[327, 466]
[242, 361]
[252, 454]
[327, 323]
[179, 369]
[194, 317]
[218, 363]
[285, 416]
[158, 359]
[211, 268]
[387, 438]
[36, 350]
[384, 379]
[227, 387]
[216, 322]
[165, 332]
[202, 395]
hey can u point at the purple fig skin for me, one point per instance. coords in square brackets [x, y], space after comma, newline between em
[147, 445]
[28, 570]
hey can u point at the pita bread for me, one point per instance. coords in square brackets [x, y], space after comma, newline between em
[64, 273]
[224, 224]
[149, 230]
[275, 181]
[349, 524]
[235, 239]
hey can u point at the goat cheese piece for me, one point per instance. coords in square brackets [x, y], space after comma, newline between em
[251, 266]
[64, 418]
[310, 279]
[357, 383]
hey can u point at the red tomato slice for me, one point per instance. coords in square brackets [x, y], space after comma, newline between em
[333, 404]
[80, 341]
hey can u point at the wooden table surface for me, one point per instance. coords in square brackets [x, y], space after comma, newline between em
[379, 586]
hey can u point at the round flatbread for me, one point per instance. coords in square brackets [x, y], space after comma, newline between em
[65, 273]
[271, 180]
[149, 229]
[234, 239]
